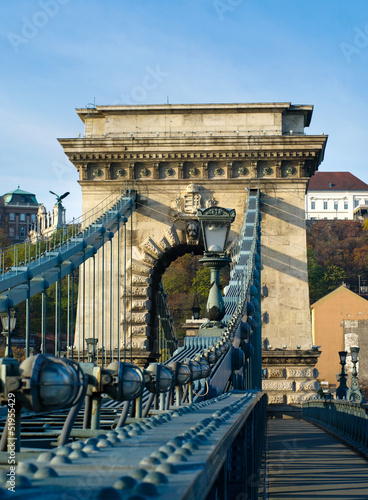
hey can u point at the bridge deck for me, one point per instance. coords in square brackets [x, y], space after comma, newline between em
[306, 463]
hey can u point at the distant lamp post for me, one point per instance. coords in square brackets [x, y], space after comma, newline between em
[195, 308]
[91, 349]
[354, 393]
[215, 224]
[342, 389]
[8, 321]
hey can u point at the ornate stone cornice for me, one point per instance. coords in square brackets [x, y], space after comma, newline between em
[259, 157]
[225, 155]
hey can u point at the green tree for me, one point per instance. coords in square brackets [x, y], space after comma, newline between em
[337, 252]
[4, 242]
[334, 277]
[184, 279]
[316, 275]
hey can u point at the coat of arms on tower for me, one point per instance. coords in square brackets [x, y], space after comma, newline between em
[185, 207]
[192, 199]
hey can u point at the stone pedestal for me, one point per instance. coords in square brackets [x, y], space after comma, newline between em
[191, 326]
[290, 375]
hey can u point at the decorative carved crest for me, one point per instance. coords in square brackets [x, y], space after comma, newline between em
[192, 199]
[185, 207]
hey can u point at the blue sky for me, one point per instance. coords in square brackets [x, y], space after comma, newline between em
[57, 55]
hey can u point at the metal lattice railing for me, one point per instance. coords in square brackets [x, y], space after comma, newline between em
[29, 254]
[243, 289]
[49, 261]
[347, 419]
[243, 258]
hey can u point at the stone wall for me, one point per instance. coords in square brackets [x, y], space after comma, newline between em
[290, 375]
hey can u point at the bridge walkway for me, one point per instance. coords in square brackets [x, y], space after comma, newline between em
[304, 463]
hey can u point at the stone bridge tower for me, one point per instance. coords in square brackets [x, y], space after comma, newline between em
[182, 157]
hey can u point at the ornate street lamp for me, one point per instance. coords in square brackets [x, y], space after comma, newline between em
[354, 393]
[215, 223]
[342, 389]
[8, 321]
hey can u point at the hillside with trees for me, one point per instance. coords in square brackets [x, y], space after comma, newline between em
[337, 253]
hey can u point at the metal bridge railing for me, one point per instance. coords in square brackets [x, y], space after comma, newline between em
[166, 338]
[242, 298]
[29, 254]
[347, 419]
[211, 449]
[164, 392]
[43, 263]
[244, 258]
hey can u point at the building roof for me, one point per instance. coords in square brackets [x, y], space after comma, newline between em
[341, 290]
[20, 197]
[283, 107]
[336, 181]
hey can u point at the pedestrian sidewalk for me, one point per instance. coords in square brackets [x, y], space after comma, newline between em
[306, 463]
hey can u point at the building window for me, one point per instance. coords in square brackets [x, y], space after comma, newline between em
[346, 205]
[366, 201]
[325, 205]
[22, 232]
[33, 217]
[11, 217]
[336, 205]
[356, 202]
[11, 232]
[22, 217]
[313, 205]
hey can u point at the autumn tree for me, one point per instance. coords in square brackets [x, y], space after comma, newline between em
[337, 253]
[184, 279]
[4, 242]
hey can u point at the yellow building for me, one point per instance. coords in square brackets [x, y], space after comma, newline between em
[328, 317]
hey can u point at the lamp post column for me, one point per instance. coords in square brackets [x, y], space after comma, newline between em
[215, 225]
[354, 393]
[215, 309]
[8, 321]
[342, 389]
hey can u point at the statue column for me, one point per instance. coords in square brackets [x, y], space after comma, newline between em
[253, 168]
[131, 171]
[180, 170]
[82, 169]
[277, 166]
[107, 171]
[156, 171]
[301, 169]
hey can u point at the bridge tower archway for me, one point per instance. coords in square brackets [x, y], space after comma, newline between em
[181, 157]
